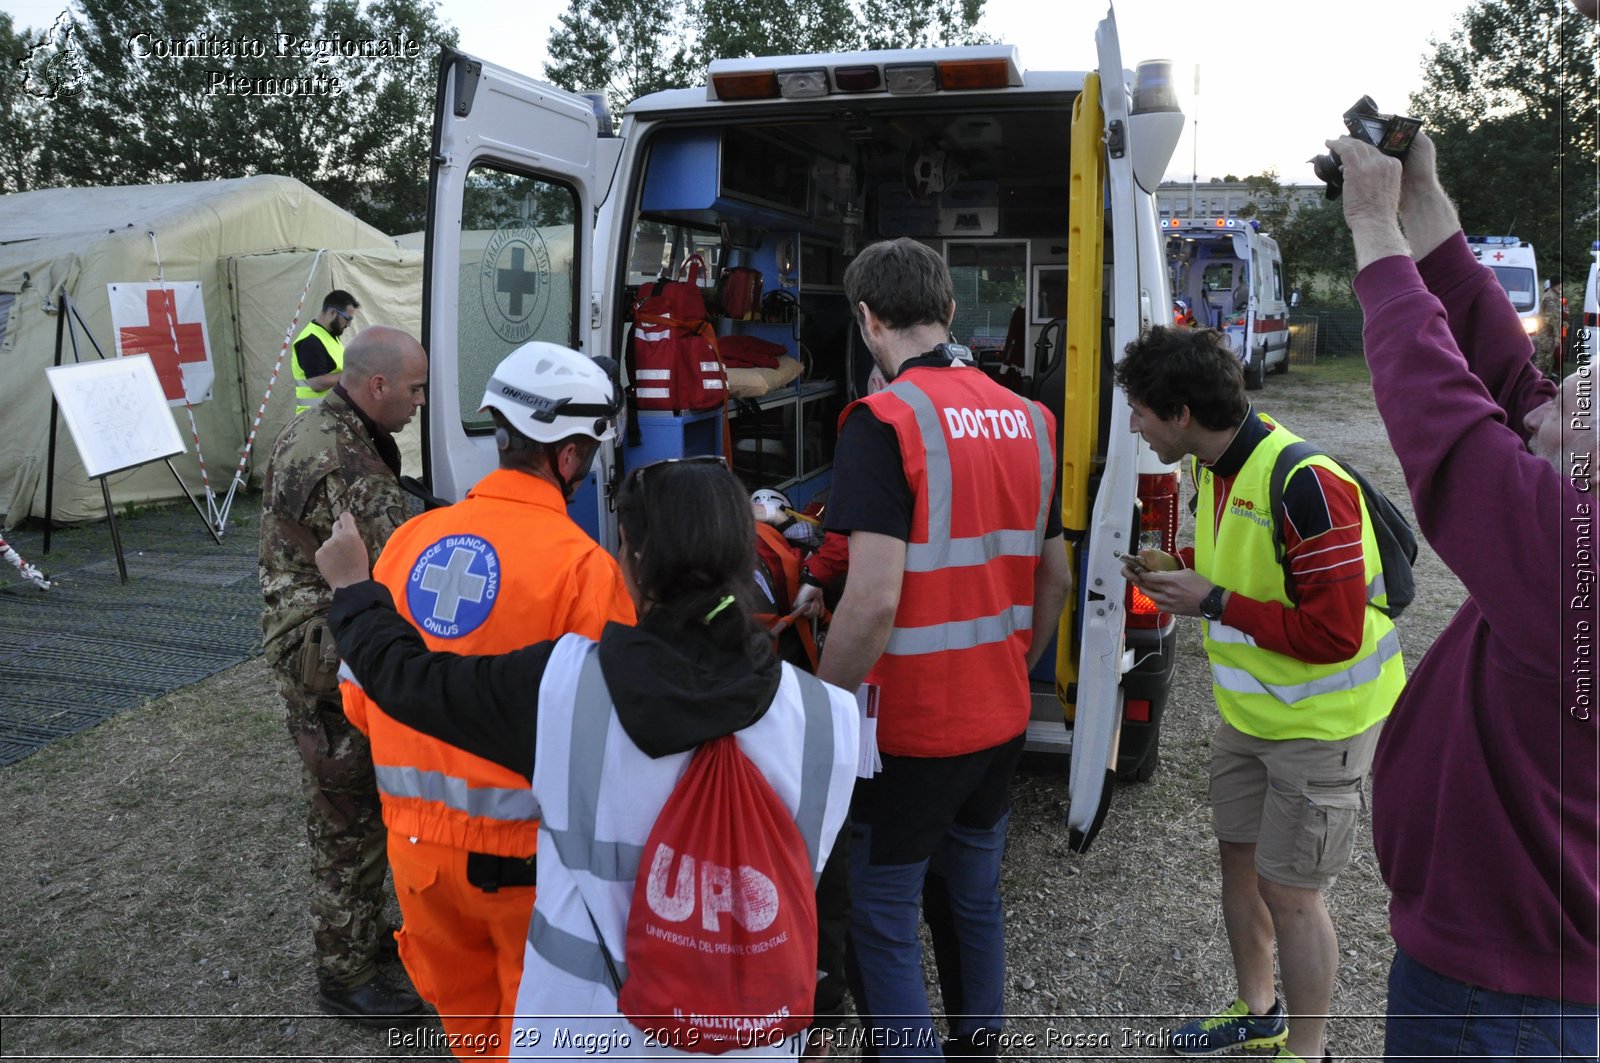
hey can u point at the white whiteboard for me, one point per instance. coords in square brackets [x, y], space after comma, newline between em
[117, 413]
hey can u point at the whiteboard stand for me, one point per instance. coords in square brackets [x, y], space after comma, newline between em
[118, 416]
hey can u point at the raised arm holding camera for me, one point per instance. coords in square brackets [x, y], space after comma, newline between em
[1489, 760]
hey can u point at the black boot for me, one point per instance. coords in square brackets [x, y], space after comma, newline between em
[371, 1003]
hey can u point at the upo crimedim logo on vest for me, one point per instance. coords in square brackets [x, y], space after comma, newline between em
[1244, 507]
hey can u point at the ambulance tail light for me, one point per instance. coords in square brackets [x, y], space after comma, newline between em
[914, 79]
[1158, 530]
[975, 74]
[1137, 710]
[858, 78]
[755, 85]
[803, 84]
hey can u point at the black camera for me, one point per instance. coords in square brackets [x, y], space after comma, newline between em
[1391, 134]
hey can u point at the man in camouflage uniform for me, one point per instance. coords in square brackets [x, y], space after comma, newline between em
[1552, 325]
[337, 455]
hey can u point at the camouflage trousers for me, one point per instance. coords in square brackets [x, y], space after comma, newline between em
[344, 826]
[1544, 355]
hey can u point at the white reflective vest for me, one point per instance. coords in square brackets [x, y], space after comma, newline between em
[598, 797]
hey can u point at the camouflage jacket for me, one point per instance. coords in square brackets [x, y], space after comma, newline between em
[324, 462]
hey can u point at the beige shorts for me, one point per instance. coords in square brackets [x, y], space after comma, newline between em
[1297, 800]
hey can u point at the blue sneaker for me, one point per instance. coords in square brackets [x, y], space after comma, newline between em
[1231, 1031]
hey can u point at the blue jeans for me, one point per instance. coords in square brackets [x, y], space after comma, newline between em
[1435, 1017]
[940, 823]
[886, 952]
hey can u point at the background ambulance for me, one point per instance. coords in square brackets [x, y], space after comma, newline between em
[1514, 266]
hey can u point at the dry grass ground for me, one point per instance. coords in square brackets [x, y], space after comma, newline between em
[154, 875]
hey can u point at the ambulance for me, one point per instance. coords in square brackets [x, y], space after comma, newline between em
[1517, 271]
[1035, 187]
[1230, 275]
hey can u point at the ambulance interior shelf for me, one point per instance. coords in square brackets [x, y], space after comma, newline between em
[714, 176]
[785, 439]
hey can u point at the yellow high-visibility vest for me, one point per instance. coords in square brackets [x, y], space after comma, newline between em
[304, 395]
[1262, 692]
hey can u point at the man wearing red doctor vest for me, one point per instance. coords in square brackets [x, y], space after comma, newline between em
[943, 481]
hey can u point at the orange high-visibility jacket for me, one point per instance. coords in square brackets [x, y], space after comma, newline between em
[500, 570]
[980, 461]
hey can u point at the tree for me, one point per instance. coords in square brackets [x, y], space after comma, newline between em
[335, 94]
[628, 48]
[20, 108]
[1510, 102]
[624, 48]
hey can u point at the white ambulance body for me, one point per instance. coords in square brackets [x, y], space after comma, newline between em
[1517, 270]
[1032, 185]
[1230, 275]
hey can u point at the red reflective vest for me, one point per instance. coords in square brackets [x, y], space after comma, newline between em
[502, 569]
[980, 461]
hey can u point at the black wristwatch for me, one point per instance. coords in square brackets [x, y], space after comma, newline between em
[1211, 605]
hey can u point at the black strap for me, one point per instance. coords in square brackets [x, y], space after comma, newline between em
[489, 872]
[1288, 458]
[605, 953]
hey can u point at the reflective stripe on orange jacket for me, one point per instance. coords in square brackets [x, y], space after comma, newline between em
[980, 461]
[502, 569]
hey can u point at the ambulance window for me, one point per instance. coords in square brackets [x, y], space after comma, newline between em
[1219, 277]
[991, 281]
[651, 255]
[516, 279]
[1277, 281]
[1519, 283]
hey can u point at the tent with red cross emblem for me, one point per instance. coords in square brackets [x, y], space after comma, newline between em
[205, 278]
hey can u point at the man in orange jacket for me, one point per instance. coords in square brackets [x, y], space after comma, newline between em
[502, 569]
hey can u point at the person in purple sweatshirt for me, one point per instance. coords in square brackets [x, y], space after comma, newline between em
[1486, 795]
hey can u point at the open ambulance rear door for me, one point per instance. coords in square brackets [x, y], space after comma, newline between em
[1104, 654]
[512, 185]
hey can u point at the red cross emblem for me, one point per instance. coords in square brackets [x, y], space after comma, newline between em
[157, 338]
[1498, 255]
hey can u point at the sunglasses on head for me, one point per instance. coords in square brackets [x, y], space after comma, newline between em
[635, 478]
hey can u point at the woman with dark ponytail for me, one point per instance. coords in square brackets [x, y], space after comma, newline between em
[605, 729]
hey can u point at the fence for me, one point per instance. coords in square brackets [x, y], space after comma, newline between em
[1331, 331]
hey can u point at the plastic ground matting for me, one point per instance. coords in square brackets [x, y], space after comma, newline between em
[92, 646]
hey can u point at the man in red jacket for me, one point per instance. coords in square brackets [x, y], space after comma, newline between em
[1485, 786]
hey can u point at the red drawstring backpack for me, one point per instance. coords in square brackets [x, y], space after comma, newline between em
[722, 934]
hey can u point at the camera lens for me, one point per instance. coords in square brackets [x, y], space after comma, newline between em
[1330, 172]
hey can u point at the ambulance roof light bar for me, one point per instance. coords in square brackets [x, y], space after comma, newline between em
[901, 72]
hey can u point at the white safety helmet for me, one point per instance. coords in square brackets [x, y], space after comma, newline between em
[549, 392]
[770, 505]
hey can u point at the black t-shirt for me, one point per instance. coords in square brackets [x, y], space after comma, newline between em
[870, 490]
[313, 357]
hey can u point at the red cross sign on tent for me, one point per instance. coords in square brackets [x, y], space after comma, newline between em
[167, 321]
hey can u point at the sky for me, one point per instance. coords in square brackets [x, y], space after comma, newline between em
[1274, 76]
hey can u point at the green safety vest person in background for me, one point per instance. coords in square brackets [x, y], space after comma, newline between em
[1303, 683]
[318, 353]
